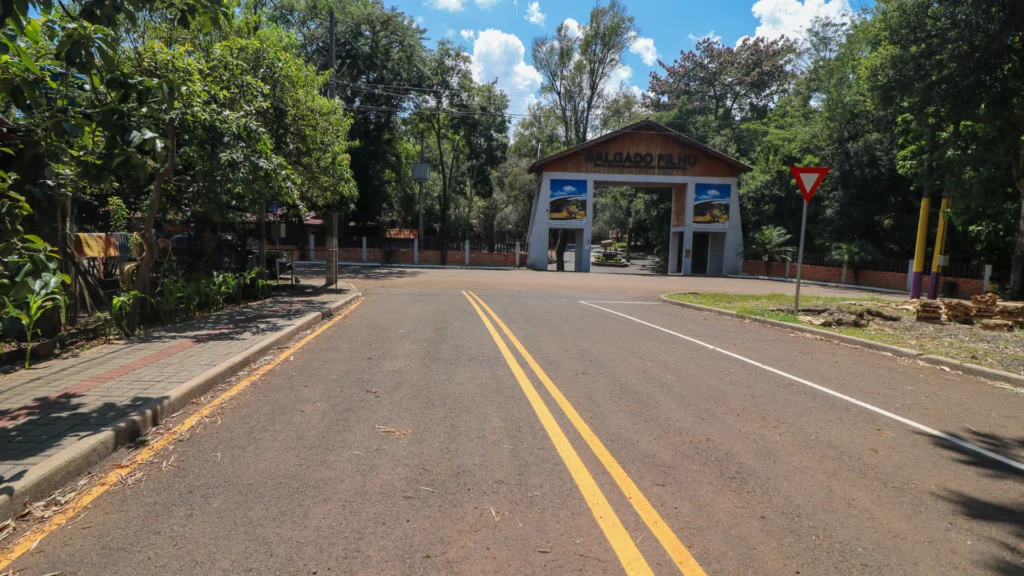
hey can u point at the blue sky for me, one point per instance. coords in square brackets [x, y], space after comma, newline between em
[497, 33]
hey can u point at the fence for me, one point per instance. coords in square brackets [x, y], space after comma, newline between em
[893, 275]
[375, 249]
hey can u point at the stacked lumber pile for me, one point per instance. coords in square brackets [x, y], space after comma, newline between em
[1011, 313]
[985, 306]
[960, 311]
[929, 311]
[996, 325]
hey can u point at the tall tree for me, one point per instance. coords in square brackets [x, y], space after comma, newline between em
[380, 56]
[576, 69]
[953, 73]
[712, 90]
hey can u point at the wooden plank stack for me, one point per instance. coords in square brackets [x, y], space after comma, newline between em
[1011, 312]
[960, 311]
[996, 325]
[929, 311]
[985, 306]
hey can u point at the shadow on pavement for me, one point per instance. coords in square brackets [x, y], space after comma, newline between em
[1009, 517]
[377, 272]
[51, 420]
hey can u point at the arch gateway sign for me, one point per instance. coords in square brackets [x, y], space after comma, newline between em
[705, 235]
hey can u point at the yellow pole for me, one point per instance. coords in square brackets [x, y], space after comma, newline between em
[940, 247]
[922, 245]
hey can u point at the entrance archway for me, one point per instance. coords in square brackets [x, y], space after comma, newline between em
[705, 197]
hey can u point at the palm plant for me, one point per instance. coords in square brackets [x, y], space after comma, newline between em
[770, 243]
[851, 254]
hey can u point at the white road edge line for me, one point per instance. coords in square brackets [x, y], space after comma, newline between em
[618, 302]
[952, 439]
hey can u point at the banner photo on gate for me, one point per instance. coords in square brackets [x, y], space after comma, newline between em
[711, 205]
[568, 201]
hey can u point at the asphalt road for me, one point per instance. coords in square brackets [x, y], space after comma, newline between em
[632, 436]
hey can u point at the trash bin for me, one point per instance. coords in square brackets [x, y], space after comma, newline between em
[948, 289]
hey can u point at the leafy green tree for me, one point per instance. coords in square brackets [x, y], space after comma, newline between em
[712, 90]
[539, 134]
[576, 72]
[953, 74]
[768, 244]
[622, 108]
[851, 254]
[380, 56]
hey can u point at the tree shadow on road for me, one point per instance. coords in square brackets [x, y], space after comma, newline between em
[377, 273]
[46, 422]
[1007, 518]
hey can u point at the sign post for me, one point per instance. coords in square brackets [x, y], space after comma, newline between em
[808, 179]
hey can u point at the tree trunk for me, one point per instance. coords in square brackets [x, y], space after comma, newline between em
[842, 280]
[1017, 272]
[261, 231]
[149, 257]
[65, 247]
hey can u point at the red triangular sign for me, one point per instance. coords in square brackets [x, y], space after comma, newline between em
[808, 178]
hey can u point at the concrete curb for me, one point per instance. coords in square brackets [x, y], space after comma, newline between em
[819, 283]
[966, 368]
[71, 462]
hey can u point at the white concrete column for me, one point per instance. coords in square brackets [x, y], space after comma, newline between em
[364, 248]
[312, 247]
[673, 252]
[910, 273]
[467, 252]
[988, 276]
[582, 263]
[687, 250]
[517, 254]
[415, 250]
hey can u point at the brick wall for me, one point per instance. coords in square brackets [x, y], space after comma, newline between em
[892, 280]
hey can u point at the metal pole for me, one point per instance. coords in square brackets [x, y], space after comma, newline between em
[421, 209]
[421, 189]
[800, 260]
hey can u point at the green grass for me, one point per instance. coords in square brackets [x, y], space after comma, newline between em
[759, 304]
[968, 344]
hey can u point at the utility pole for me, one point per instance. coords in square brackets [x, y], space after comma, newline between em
[331, 276]
[421, 196]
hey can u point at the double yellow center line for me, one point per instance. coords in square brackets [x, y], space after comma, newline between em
[618, 537]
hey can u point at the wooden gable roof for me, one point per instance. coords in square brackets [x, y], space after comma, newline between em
[657, 147]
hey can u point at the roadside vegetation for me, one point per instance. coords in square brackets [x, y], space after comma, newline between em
[998, 350]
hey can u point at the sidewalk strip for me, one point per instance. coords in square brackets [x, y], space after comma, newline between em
[1019, 466]
[42, 403]
[682, 558]
[34, 536]
[622, 543]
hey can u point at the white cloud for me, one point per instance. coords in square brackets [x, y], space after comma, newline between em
[449, 33]
[449, 5]
[534, 15]
[500, 55]
[468, 34]
[568, 188]
[572, 28]
[791, 17]
[420, 21]
[710, 35]
[486, 4]
[644, 47]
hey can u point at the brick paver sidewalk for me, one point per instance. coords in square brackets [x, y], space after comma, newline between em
[46, 409]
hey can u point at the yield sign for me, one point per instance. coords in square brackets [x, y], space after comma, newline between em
[808, 179]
